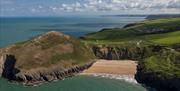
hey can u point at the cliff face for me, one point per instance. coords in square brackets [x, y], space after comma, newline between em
[47, 57]
[159, 82]
[156, 40]
[1, 65]
[39, 75]
[160, 71]
[125, 52]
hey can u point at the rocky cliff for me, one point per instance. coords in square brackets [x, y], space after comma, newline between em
[48, 57]
[154, 43]
[161, 71]
[125, 52]
[158, 66]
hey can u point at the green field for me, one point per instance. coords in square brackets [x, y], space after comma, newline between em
[169, 35]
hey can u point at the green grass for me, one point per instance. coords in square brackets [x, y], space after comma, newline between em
[167, 39]
[162, 66]
[166, 24]
[170, 38]
[171, 35]
[109, 34]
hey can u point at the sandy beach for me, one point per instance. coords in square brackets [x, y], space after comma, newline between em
[118, 67]
[114, 69]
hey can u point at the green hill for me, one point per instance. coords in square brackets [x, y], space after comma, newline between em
[160, 31]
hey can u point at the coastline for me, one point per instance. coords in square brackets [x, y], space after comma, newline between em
[124, 70]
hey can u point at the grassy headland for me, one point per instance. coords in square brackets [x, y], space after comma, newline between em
[161, 31]
[48, 57]
[154, 43]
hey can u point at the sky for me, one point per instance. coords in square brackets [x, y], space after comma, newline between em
[87, 7]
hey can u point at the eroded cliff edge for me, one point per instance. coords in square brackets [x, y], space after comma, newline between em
[155, 44]
[158, 66]
[48, 57]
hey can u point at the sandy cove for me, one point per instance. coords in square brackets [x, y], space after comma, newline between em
[114, 69]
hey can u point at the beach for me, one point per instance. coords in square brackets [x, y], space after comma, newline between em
[118, 67]
[114, 69]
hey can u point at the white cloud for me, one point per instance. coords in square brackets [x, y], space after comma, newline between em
[98, 6]
[119, 5]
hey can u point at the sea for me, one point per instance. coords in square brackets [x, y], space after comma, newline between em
[16, 29]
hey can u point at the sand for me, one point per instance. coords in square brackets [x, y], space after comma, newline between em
[116, 67]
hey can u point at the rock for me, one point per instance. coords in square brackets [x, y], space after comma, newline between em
[49, 75]
[125, 52]
[1, 65]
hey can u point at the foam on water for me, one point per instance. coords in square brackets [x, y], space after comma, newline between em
[126, 78]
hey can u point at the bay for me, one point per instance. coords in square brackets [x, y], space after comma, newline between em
[16, 29]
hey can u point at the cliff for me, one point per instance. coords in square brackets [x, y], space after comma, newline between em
[158, 66]
[161, 71]
[47, 57]
[154, 43]
[119, 52]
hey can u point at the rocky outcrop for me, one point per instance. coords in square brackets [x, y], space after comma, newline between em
[9, 70]
[38, 75]
[160, 83]
[125, 52]
[47, 57]
[1, 65]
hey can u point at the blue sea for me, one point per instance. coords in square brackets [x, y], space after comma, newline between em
[17, 29]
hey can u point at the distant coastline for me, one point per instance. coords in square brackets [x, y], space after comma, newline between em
[147, 16]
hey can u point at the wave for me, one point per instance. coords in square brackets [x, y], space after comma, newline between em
[126, 78]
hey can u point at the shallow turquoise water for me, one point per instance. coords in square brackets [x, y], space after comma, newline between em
[78, 83]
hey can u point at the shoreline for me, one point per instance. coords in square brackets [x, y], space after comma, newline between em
[126, 78]
[124, 70]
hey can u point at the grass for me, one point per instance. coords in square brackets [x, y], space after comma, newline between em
[80, 54]
[170, 37]
[162, 66]
[169, 24]
[167, 39]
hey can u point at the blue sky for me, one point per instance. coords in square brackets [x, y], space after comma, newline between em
[86, 7]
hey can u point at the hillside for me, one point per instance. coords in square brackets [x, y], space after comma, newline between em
[44, 58]
[154, 43]
[161, 31]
